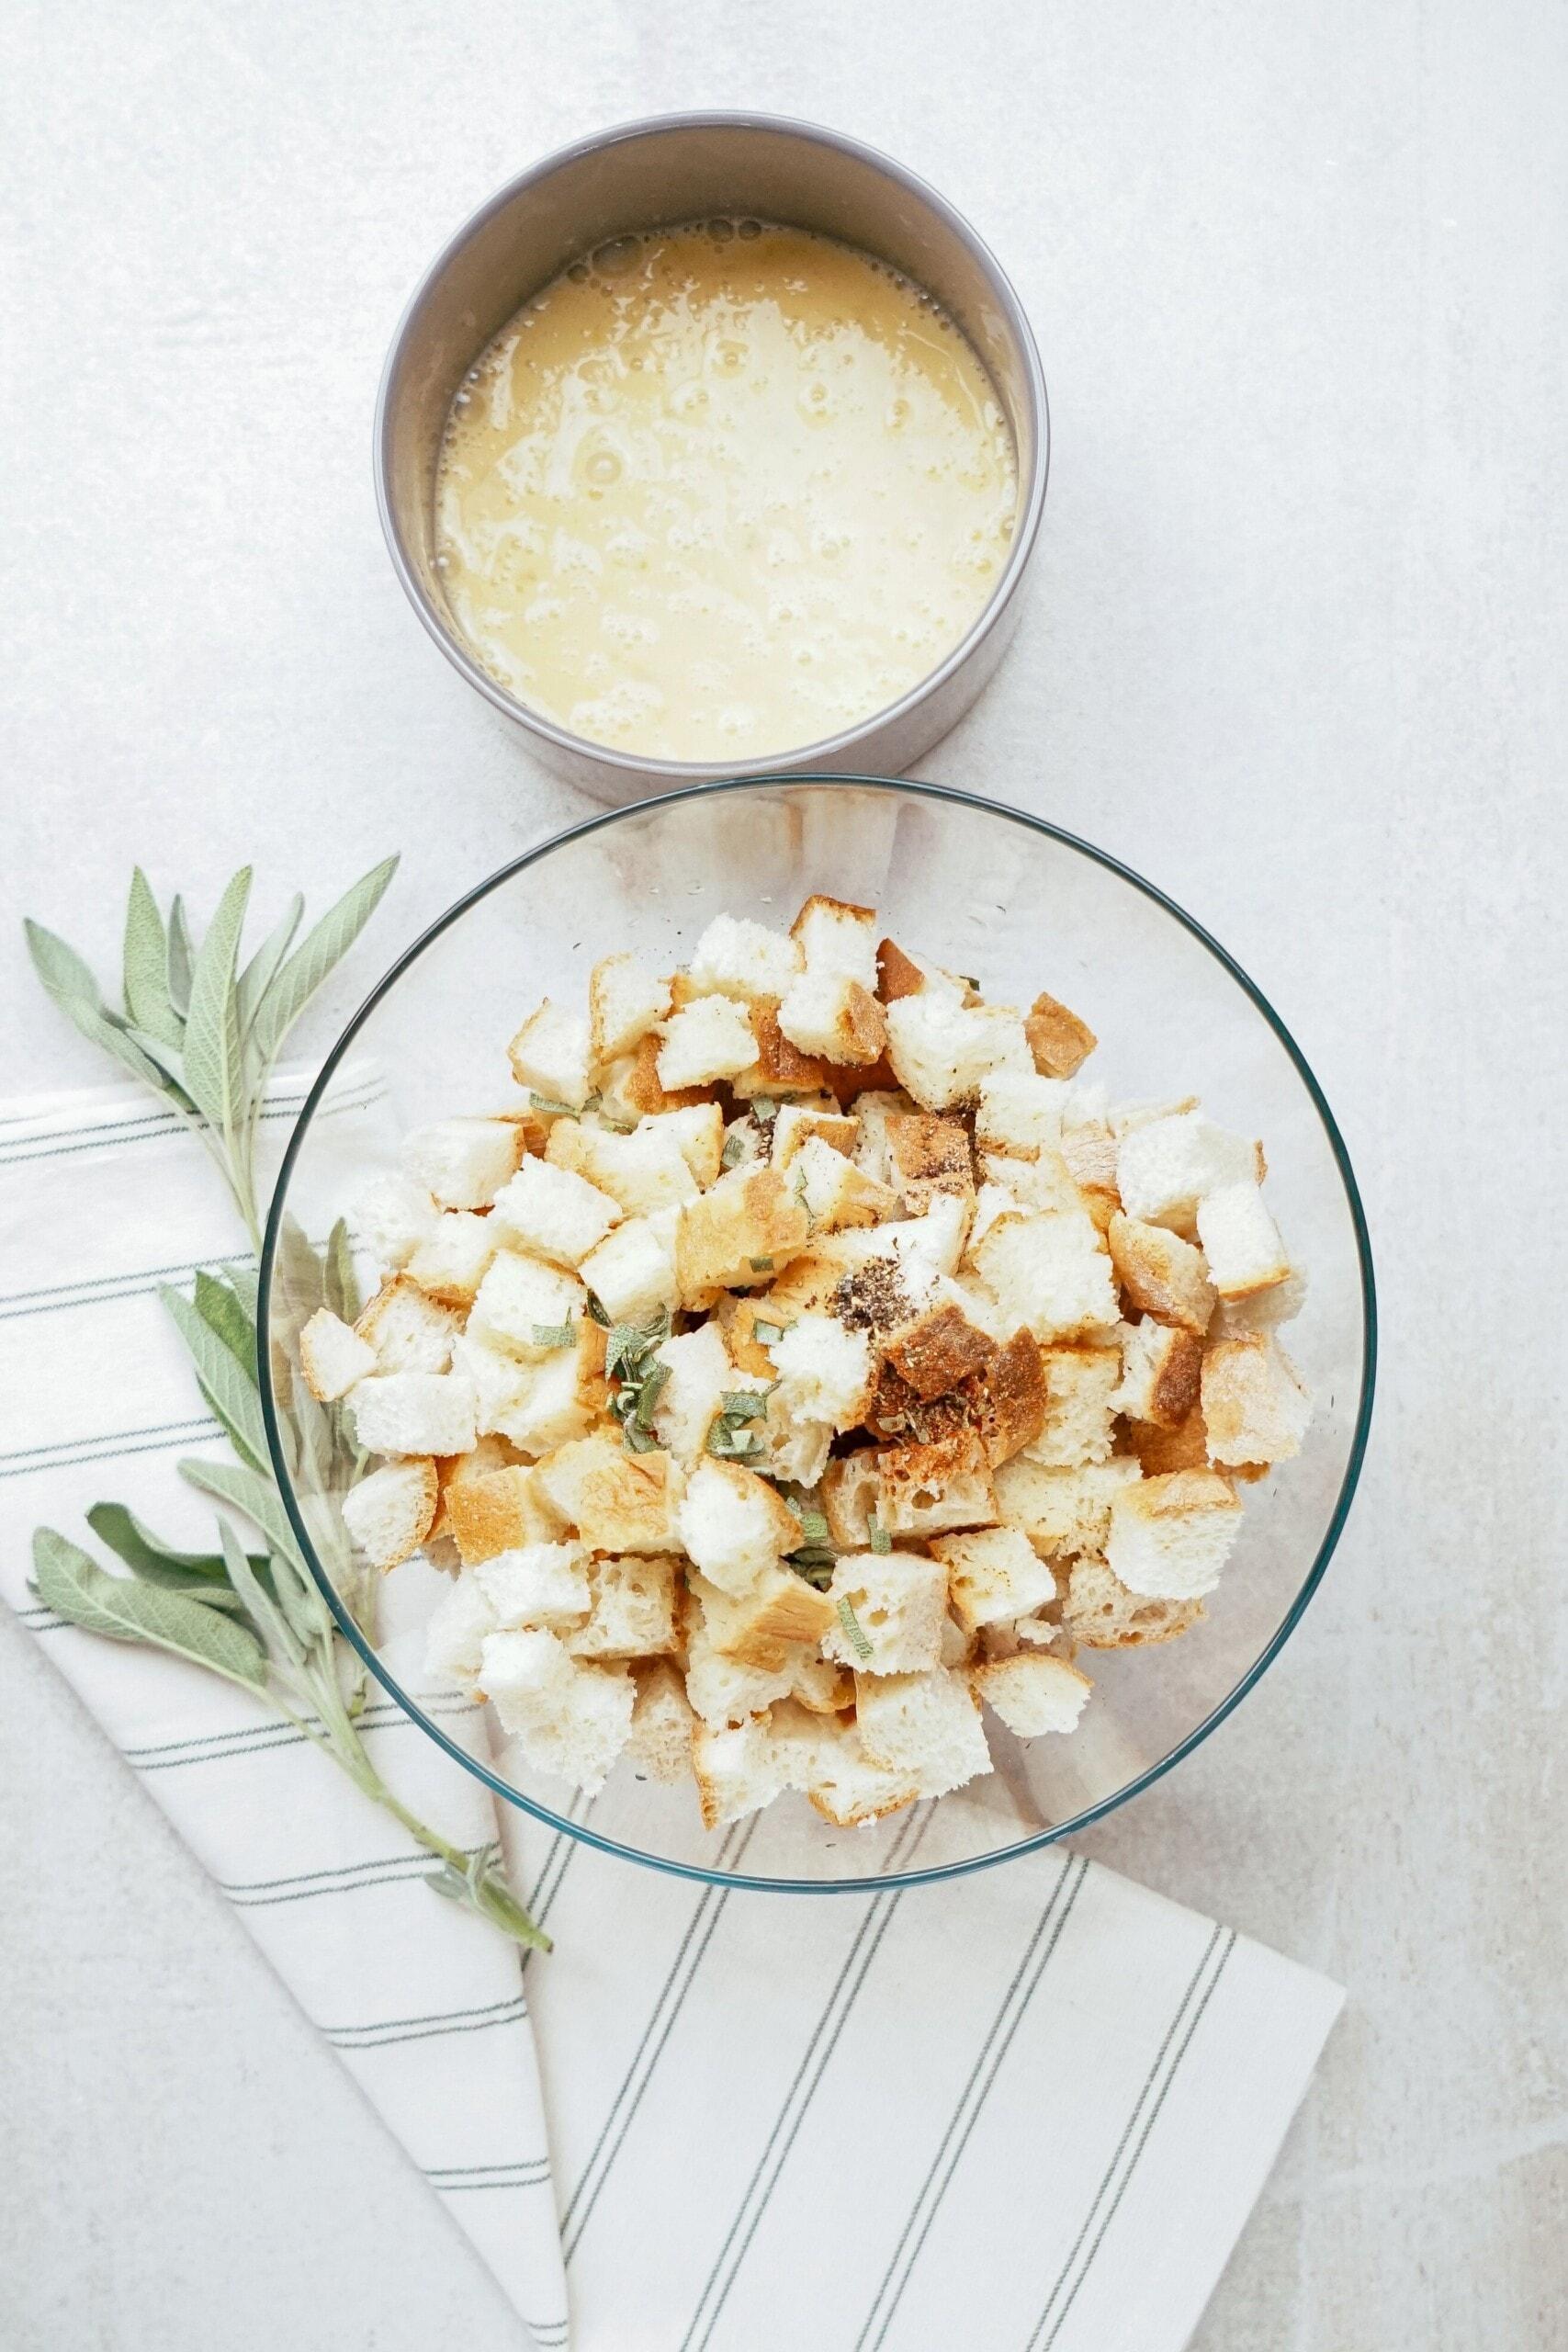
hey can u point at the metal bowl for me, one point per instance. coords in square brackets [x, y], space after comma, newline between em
[654, 173]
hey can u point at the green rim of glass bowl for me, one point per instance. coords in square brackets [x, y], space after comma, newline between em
[1265, 1657]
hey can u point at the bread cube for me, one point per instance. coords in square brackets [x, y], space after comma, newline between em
[1058, 1040]
[1020, 1113]
[497, 1380]
[1161, 1275]
[332, 1356]
[699, 1373]
[925, 1155]
[632, 1271]
[873, 1110]
[724, 1690]
[1100, 1613]
[1013, 1398]
[660, 1745]
[463, 1163]
[633, 1609]
[738, 1769]
[819, 1685]
[449, 1263]
[941, 1049]
[640, 1172]
[833, 1018]
[523, 1305]
[734, 1525]
[1256, 1408]
[559, 1397]
[1033, 1693]
[850, 1490]
[795, 1125]
[746, 960]
[896, 1601]
[1081, 1384]
[795, 1446]
[454, 1634]
[618, 1502]
[554, 1213]
[902, 975]
[1261, 1310]
[834, 1192]
[765, 1626]
[632, 1089]
[500, 1511]
[624, 1002]
[1185, 1447]
[843, 1783]
[389, 1514]
[1063, 1511]
[835, 936]
[550, 1056]
[576, 1725]
[1089, 1151]
[925, 1725]
[1241, 1241]
[706, 1040]
[1052, 1270]
[934, 1239]
[993, 1573]
[407, 1331]
[1164, 1166]
[740, 1232]
[929, 1489]
[940, 1346]
[699, 1131]
[536, 1584]
[1169, 1537]
[776, 1067]
[414, 1412]
[1161, 1364]
[390, 1218]
[1043, 1183]
[825, 1370]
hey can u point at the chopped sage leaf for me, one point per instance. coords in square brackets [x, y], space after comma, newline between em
[552, 1335]
[854, 1630]
[761, 1265]
[880, 1539]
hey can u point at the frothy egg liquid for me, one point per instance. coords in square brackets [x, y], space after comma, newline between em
[721, 491]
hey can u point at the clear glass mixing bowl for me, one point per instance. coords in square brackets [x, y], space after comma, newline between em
[985, 890]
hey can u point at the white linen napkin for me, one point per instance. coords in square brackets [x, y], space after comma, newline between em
[1026, 2110]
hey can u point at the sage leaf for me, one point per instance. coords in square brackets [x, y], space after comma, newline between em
[260, 1604]
[340, 1283]
[297, 1275]
[222, 1312]
[853, 1629]
[212, 1057]
[146, 965]
[310, 963]
[70, 1582]
[67, 979]
[262, 969]
[168, 1058]
[250, 1493]
[245, 1284]
[230, 1390]
[201, 1574]
[181, 958]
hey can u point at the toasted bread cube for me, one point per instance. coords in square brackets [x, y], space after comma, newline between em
[824, 1369]
[1101, 1614]
[332, 1356]
[618, 1502]
[538, 1584]
[724, 1690]
[523, 1305]
[560, 1397]
[550, 1056]
[1020, 1113]
[1043, 1183]
[901, 975]
[874, 1108]
[1014, 1398]
[1063, 1511]
[633, 1612]
[632, 1088]
[1033, 1693]
[500, 1511]
[1261, 1310]
[940, 1348]
[898, 1602]
[1161, 1364]
[406, 1330]
[835, 936]
[632, 1271]
[941, 1049]
[776, 1067]
[843, 1783]
[489, 1453]
[1080, 1385]
[1169, 1537]
[640, 1172]
[1089, 1150]
[833, 1018]
[834, 1192]
[734, 1525]
[795, 1446]
[1255, 1406]
[554, 1213]
[927, 1155]
[1162, 1275]
[1185, 1447]
[737, 1319]
[662, 1723]
[1241, 1241]
[794, 1127]
[1058, 1040]
[765, 1626]
[930, 1489]
[740, 1231]
[993, 1573]
[819, 1685]
[927, 1725]
[850, 1489]
[995, 1205]
[934, 1239]
[699, 1131]
[455, 1632]
[738, 958]
[624, 1002]
[390, 1218]
[576, 1726]
[450, 1263]
[389, 1514]
[738, 1769]
[1164, 1166]
[497, 1378]
[414, 1412]
[708, 1039]
[699, 1374]
[1052, 1270]
[463, 1163]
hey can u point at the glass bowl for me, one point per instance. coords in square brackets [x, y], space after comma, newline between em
[985, 890]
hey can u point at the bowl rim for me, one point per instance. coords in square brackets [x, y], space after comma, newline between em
[583, 1831]
[629, 765]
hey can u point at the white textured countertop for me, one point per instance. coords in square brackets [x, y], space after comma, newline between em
[1299, 277]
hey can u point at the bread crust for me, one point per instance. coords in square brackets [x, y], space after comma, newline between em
[930, 1153]
[1059, 1041]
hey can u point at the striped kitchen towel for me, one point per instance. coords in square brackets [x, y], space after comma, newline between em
[104, 1196]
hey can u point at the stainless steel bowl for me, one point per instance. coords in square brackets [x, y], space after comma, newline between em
[653, 173]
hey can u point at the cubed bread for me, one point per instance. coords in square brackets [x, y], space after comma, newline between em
[834, 935]
[926, 1154]
[698, 1129]
[1080, 1385]
[794, 1127]
[940, 1348]
[1161, 1364]
[626, 999]
[737, 1318]
[1063, 1511]
[734, 1525]
[793, 1447]
[764, 1625]
[1052, 1270]
[538, 1584]
[901, 975]
[522, 1306]
[874, 1109]
[888, 1612]
[389, 1514]
[706, 1040]
[618, 1502]
[451, 1261]
[553, 1212]
[1020, 1113]
[1045, 1181]
[993, 1573]
[576, 1726]
[660, 1744]
[414, 1412]
[850, 1489]
[1261, 1310]
[455, 1632]
[833, 1018]
[1255, 1406]
[1161, 1275]
[1170, 1537]
[825, 1370]
[551, 1054]
[746, 960]
[941, 1049]
[560, 1397]
[390, 1218]
[406, 1330]
[332, 1356]
[640, 1172]
[1241, 1241]
[633, 1612]
[499, 1511]
[1100, 1613]
[928, 1726]
[697, 1373]
[463, 1163]
[1164, 1166]
[819, 1685]
[1185, 1447]
[489, 1453]
[835, 1192]
[633, 1089]
[725, 1690]
[737, 1768]
[1058, 1040]
[1012, 1399]
[776, 1067]
[740, 1232]
[842, 1783]
[931, 1489]
[1089, 1151]
[496, 1377]
[632, 1271]
[1032, 1692]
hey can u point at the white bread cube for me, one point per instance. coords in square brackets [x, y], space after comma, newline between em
[1080, 1390]
[1262, 1310]
[699, 1374]
[550, 1056]
[1164, 1167]
[734, 1525]
[767, 1625]
[833, 1018]
[738, 1769]
[576, 1726]
[1170, 1537]
[925, 1725]
[745, 1144]
[633, 1612]
[1045, 1181]
[844, 1784]
[450, 1263]
[1033, 1693]
[498, 1379]
[874, 1109]
[995, 1204]
[1123, 1117]
[624, 1002]
[793, 1445]
[934, 1242]
[640, 1172]
[699, 1130]
[820, 1687]
[835, 1192]
[618, 1502]
[898, 1601]
[390, 1218]
[558, 1398]
[554, 1213]
[1052, 1270]
[1063, 1511]
[1162, 1275]
[1020, 1113]
[662, 1723]
[1241, 1241]
[632, 1271]
[993, 1574]
[332, 1356]
[708, 1039]
[455, 1632]
[825, 1370]
[463, 1163]
[850, 1489]
[941, 1049]
[744, 960]
[1101, 1614]
[538, 1584]
[932, 1489]
[1161, 1365]
[1256, 1408]
[406, 1330]
[389, 1514]
[795, 1125]
[741, 1232]
[520, 1297]
[501, 1510]
[722, 1690]
[834, 935]
[414, 1412]
[518, 1662]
